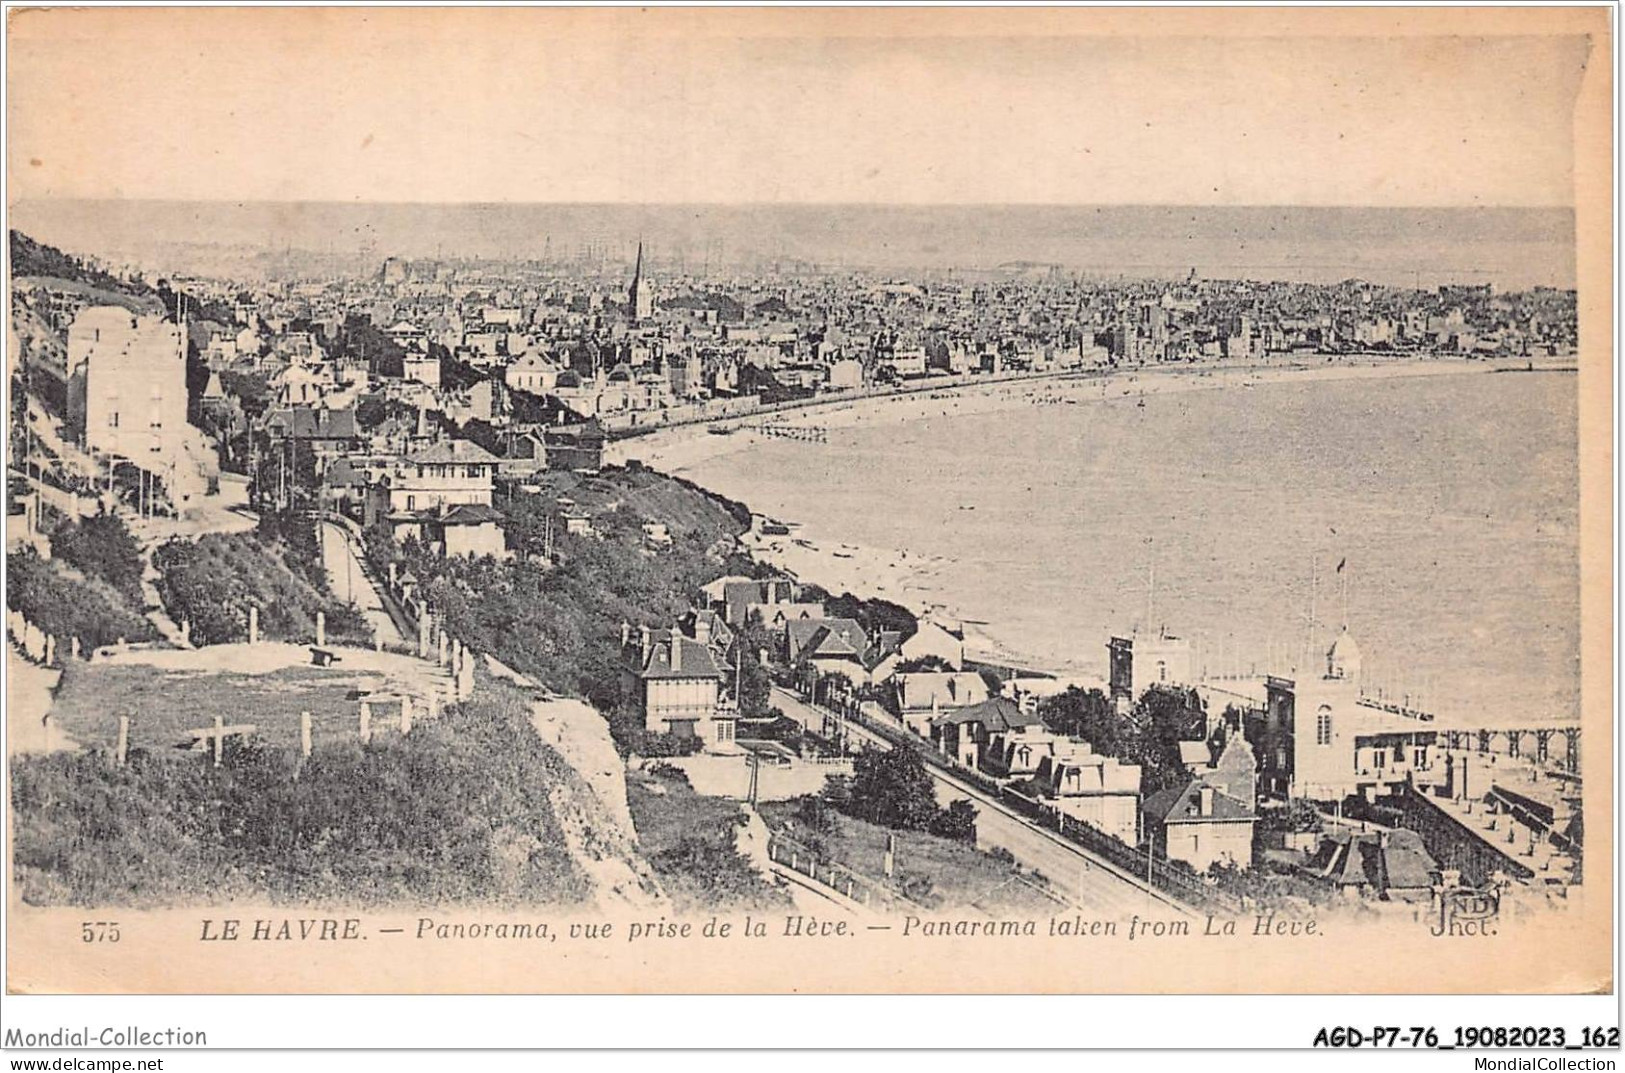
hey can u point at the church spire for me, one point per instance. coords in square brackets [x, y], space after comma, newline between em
[640, 299]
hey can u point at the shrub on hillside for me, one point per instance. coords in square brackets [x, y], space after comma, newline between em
[957, 821]
[459, 812]
[212, 582]
[67, 604]
[101, 546]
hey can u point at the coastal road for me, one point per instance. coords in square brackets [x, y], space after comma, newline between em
[350, 582]
[1089, 883]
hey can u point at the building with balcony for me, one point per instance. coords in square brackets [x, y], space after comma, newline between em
[418, 495]
[1320, 738]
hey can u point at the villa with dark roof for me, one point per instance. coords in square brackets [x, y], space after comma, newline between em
[1200, 824]
[829, 645]
[680, 683]
[965, 733]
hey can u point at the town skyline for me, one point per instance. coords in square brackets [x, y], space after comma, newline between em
[1511, 247]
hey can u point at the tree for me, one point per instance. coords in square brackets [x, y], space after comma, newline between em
[891, 787]
[923, 664]
[873, 615]
[102, 546]
[1164, 718]
[1299, 816]
[1086, 714]
[360, 338]
[957, 821]
[455, 374]
[755, 685]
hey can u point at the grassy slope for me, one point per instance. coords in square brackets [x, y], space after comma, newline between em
[936, 872]
[62, 601]
[689, 840]
[212, 581]
[457, 813]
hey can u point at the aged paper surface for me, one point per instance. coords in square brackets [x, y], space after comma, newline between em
[1099, 501]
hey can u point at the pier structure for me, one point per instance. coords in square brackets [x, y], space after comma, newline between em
[804, 433]
[1554, 746]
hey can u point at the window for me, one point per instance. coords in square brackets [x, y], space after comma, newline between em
[1162, 671]
[1379, 758]
[112, 419]
[411, 502]
[725, 730]
[1323, 725]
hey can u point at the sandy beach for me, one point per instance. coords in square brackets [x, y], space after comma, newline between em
[913, 580]
[677, 449]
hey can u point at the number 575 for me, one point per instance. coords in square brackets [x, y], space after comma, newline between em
[99, 931]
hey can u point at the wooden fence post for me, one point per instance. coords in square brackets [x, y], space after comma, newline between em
[321, 629]
[74, 647]
[219, 738]
[366, 722]
[253, 625]
[123, 749]
[406, 715]
[304, 734]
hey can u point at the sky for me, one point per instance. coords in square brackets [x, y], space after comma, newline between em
[727, 106]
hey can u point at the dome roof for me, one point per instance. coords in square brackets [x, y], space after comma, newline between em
[1343, 658]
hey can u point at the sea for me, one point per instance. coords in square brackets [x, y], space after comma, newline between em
[1436, 518]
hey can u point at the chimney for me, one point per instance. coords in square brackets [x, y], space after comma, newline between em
[1207, 800]
[626, 633]
[702, 628]
[676, 651]
[643, 641]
